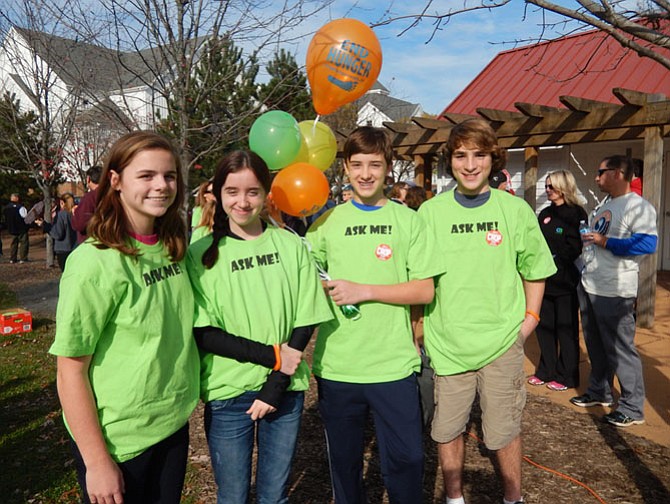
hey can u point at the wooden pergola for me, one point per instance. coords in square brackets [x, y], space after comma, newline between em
[638, 116]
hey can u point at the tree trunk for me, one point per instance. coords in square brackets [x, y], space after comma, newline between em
[46, 191]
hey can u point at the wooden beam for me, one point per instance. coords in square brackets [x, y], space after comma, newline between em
[560, 138]
[429, 123]
[658, 113]
[653, 170]
[420, 136]
[407, 151]
[541, 125]
[583, 104]
[630, 97]
[534, 110]
[413, 150]
[457, 118]
[600, 118]
[496, 115]
[396, 127]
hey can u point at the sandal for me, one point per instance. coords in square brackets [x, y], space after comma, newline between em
[558, 387]
[534, 380]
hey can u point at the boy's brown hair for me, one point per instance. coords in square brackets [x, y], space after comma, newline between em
[478, 133]
[369, 140]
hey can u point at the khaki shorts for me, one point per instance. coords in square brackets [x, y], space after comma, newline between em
[502, 396]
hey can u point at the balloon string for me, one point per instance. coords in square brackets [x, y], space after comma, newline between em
[316, 120]
[322, 272]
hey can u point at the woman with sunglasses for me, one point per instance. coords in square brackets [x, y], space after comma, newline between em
[558, 330]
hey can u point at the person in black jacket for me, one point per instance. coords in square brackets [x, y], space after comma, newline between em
[558, 330]
[14, 214]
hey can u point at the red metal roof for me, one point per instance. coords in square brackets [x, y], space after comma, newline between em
[540, 73]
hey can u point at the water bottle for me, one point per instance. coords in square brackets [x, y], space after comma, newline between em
[587, 246]
[350, 311]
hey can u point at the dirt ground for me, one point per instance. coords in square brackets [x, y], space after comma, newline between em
[571, 456]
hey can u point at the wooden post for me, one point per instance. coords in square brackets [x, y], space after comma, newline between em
[652, 187]
[531, 158]
[423, 171]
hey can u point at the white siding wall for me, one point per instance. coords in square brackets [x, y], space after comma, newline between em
[16, 58]
[140, 104]
[370, 113]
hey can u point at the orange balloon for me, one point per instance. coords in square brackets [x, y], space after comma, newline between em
[344, 59]
[300, 189]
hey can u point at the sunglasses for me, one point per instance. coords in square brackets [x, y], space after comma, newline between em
[603, 170]
[549, 186]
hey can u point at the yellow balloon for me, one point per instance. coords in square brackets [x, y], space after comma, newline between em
[319, 145]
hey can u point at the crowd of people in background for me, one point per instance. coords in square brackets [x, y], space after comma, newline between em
[222, 311]
[69, 217]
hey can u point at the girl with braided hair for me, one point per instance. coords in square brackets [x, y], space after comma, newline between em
[254, 280]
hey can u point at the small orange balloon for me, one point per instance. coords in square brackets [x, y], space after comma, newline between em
[344, 59]
[300, 189]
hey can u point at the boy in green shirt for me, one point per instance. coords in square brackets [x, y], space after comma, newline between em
[485, 306]
[381, 259]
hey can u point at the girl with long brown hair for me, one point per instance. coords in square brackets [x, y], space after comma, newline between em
[127, 362]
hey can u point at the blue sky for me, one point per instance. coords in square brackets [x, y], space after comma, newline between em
[433, 73]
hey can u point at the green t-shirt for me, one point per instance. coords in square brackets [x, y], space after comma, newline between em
[135, 317]
[386, 246]
[196, 216]
[260, 289]
[479, 302]
[199, 232]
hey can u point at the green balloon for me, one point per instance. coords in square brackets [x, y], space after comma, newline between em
[275, 137]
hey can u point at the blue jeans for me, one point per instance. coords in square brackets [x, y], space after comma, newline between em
[230, 435]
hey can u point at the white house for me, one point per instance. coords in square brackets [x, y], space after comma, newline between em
[79, 85]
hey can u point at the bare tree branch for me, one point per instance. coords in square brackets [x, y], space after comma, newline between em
[636, 29]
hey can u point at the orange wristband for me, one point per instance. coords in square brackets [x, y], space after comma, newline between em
[534, 315]
[277, 358]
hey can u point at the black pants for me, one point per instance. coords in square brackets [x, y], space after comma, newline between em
[61, 257]
[155, 476]
[394, 406]
[558, 337]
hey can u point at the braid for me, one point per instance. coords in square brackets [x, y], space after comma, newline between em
[220, 229]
